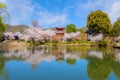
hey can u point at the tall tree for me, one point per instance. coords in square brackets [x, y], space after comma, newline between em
[3, 12]
[2, 7]
[2, 26]
[116, 28]
[99, 22]
[71, 28]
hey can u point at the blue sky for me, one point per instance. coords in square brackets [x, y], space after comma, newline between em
[52, 13]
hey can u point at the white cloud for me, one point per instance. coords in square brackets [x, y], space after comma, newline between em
[112, 7]
[92, 4]
[20, 10]
[53, 20]
[114, 10]
[3, 1]
[24, 11]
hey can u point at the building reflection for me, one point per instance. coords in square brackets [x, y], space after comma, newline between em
[58, 52]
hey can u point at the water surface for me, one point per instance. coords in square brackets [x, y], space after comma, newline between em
[60, 63]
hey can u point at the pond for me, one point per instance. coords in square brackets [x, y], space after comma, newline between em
[60, 63]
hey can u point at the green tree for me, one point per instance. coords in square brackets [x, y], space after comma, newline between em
[99, 22]
[71, 28]
[116, 28]
[83, 29]
[2, 26]
[2, 6]
[3, 12]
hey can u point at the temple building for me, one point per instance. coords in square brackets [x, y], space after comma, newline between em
[59, 34]
[60, 31]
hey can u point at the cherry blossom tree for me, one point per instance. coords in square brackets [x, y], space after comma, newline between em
[39, 34]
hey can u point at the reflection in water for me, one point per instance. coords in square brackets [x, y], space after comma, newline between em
[97, 54]
[99, 69]
[101, 62]
[100, 66]
[71, 61]
[37, 55]
[5, 75]
[116, 69]
[2, 63]
[117, 54]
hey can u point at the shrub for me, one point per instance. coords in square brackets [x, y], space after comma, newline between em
[102, 43]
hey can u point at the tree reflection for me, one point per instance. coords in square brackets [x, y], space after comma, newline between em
[116, 68]
[71, 61]
[2, 64]
[99, 69]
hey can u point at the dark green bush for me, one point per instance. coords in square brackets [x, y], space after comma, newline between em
[102, 43]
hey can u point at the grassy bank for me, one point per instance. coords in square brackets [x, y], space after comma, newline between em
[18, 44]
[82, 43]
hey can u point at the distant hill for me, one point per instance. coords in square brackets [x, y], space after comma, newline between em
[17, 28]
